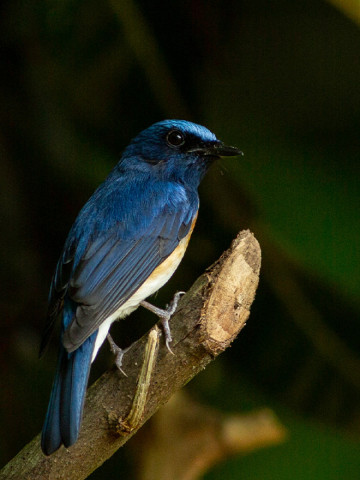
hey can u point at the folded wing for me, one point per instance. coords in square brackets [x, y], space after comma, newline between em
[113, 267]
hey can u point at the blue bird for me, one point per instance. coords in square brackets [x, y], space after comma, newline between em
[125, 244]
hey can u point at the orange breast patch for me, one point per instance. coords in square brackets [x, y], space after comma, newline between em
[171, 263]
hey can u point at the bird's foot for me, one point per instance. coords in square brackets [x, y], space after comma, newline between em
[118, 352]
[165, 315]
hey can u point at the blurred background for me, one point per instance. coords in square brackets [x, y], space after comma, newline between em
[278, 79]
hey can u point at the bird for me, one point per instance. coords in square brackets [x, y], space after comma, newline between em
[125, 244]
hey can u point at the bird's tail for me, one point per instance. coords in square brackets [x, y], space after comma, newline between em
[63, 417]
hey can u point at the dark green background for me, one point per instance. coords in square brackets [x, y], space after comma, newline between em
[278, 79]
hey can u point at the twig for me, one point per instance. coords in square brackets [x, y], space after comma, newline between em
[134, 418]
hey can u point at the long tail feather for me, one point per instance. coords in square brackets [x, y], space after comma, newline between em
[63, 417]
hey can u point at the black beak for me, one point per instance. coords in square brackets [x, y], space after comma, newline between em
[221, 150]
[217, 149]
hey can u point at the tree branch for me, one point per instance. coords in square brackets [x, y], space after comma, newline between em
[208, 319]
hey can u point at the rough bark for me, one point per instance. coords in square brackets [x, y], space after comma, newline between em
[207, 320]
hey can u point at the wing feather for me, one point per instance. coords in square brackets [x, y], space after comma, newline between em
[117, 241]
[115, 268]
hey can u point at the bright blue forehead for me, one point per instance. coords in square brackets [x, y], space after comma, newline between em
[187, 127]
[184, 126]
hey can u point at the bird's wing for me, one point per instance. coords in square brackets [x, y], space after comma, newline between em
[113, 268]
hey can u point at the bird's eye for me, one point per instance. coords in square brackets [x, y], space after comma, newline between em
[175, 138]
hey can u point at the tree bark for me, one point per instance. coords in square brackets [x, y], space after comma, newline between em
[207, 320]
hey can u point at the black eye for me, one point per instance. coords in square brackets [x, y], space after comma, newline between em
[175, 138]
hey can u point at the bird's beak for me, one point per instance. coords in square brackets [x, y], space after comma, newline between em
[221, 150]
[217, 149]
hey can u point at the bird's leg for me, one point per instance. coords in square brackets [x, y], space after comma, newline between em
[118, 352]
[165, 315]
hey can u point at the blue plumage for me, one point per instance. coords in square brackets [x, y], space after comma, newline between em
[133, 222]
[63, 418]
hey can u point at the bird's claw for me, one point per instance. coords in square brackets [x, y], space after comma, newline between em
[170, 309]
[165, 315]
[118, 352]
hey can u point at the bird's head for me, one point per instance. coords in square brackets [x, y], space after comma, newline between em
[176, 150]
